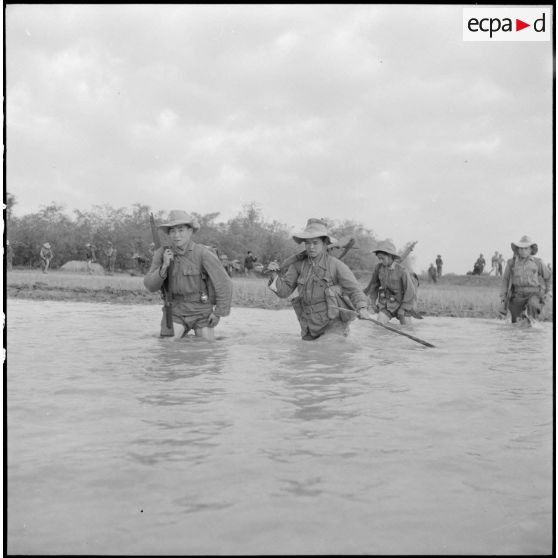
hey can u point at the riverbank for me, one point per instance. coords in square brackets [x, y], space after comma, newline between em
[459, 296]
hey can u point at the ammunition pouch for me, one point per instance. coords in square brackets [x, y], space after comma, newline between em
[335, 301]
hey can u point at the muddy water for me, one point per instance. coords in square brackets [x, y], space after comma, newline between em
[120, 442]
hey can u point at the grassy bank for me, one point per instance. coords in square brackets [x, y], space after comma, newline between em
[453, 295]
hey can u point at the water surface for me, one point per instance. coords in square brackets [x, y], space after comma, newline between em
[121, 442]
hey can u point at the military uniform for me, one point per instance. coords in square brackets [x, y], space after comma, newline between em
[529, 277]
[392, 289]
[322, 284]
[198, 284]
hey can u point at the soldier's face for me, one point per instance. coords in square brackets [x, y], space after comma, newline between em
[314, 247]
[524, 252]
[386, 259]
[180, 235]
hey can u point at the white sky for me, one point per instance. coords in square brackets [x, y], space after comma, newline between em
[380, 114]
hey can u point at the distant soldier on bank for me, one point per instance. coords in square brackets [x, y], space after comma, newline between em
[501, 262]
[90, 257]
[111, 257]
[494, 264]
[439, 264]
[478, 267]
[432, 273]
[249, 262]
[46, 255]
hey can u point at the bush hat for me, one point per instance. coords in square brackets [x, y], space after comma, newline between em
[315, 228]
[387, 247]
[179, 217]
[525, 242]
[46, 244]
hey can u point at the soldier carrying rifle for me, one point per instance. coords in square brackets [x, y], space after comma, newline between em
[329, 295]
[198, 288]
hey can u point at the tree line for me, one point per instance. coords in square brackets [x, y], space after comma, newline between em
[130, 233]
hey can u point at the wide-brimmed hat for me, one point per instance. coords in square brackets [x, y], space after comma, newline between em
[179, 217]
[46, 244]
[525, 242]
[315, 228]
[387, 247]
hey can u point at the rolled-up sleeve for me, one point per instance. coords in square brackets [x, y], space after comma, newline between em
[286, 283]
[222, 283]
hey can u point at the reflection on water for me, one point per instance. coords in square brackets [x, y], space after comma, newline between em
[125, 443]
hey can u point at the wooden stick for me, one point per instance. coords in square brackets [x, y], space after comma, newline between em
[395, 330]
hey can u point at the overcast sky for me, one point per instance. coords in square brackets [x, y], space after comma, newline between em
[379, 114]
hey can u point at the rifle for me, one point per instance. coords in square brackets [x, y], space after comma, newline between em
[407, 250]
[167, 329]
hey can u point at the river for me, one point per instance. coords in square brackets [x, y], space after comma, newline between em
[122, 442]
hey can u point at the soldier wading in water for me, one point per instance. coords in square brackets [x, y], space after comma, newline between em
[391, 289]
[526, 285]
[324, 283]
[201, 290]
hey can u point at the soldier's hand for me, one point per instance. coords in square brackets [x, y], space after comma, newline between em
[213, 320]
[273, 266]
[364, 314]
[168, 256]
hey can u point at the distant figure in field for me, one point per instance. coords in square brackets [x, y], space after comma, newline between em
[9, 255]
[439, 264]
[501, 262]
[225, 262]
[90, 256]
[111, 257]
[141, 259]
[249, 262]
[432, 273]
[494, 264]
[392, 290]
[526, 285]
[46, 255]
[478, 268]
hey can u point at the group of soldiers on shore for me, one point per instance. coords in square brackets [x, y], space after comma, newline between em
[327, 294]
